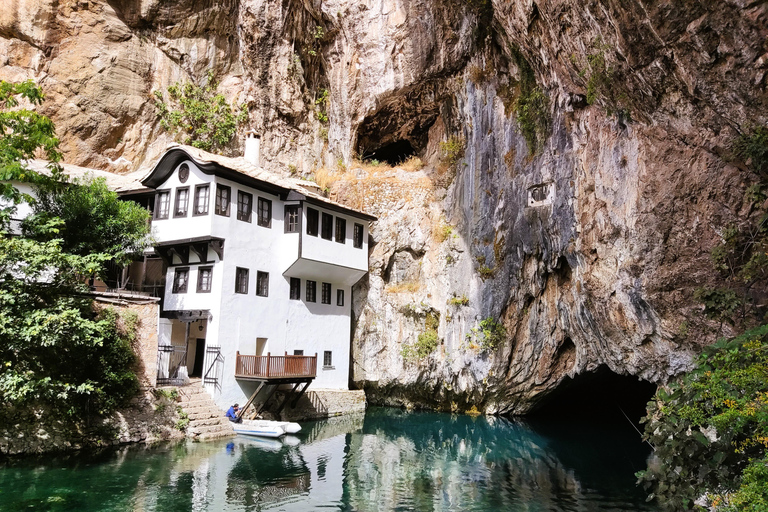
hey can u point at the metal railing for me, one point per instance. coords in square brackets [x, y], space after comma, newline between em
[213, 361]
[275, 367]
[170, 358]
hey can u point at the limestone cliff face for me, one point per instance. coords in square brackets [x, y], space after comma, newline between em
[634, 107]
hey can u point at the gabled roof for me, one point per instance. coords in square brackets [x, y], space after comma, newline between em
[243, 172]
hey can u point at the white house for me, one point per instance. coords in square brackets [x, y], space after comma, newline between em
[256, 265]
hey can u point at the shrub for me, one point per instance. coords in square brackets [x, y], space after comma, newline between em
[531, 106]
[426, 342]
[488, 335]
[451, 151]
[710, 428]
[198, 114]
[458, 301]
[752, 147]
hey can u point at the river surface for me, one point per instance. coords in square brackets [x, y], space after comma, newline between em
[387, 459]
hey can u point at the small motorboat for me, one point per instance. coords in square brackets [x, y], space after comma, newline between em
[264, 428]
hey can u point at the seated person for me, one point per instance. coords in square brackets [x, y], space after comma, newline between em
[232, 414]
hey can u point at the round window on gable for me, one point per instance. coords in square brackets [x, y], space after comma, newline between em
[183, 173]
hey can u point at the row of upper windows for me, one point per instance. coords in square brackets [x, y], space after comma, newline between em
[327, 230]
[264, 212]
[222, 205]
[205, 274]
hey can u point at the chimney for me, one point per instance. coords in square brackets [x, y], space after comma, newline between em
[252, 141]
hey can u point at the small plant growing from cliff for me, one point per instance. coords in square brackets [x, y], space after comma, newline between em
[752, 147]
[198, 115]
[426, 342]
[458, 301]
[321, 103]
[485, 272]
[451, 151]
[488, 334]
[601, 83]
[531, 106]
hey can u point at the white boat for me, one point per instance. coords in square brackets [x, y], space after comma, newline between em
[264, 428]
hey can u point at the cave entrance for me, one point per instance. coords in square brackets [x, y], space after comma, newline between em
[600, 396]
[394, 153]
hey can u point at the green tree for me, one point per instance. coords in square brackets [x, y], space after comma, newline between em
[23, 134]
[199, 115]
[710, 429]
[94, 219]
[56, 349]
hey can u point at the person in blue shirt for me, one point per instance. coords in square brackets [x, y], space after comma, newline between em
[232, 414]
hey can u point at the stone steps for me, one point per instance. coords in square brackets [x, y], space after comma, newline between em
[206, 420]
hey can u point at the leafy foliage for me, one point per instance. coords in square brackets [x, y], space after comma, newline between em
[531, 106]
[94, 219]
[488, 334]
[198, 114]
[427, 341]
[753, 148]
[710, 428]
[322, 104]
[55, 348]
[23, 134]
[451, 151]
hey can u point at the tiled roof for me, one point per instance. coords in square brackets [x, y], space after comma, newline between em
[117, 182]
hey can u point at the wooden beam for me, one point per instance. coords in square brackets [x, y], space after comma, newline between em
[250, 400]
[264, 403]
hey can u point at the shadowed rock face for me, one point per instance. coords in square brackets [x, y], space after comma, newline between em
[586, 248]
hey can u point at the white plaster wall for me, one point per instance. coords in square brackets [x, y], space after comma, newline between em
[190, 226]
[23, 209]
[319, 249]
[237, 320]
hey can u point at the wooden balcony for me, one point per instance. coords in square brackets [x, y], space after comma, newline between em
[276, 368]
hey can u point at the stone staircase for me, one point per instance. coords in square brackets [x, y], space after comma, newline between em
[206, 420]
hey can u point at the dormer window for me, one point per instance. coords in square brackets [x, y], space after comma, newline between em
[162, 204]
[202, 194]
[182, 201]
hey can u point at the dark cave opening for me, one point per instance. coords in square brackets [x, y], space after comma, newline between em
[394, 153]
[599, 396]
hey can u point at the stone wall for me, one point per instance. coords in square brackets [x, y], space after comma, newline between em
[320, 403]
[145, 344]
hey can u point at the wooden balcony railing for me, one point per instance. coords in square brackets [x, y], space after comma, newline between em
[275, 367]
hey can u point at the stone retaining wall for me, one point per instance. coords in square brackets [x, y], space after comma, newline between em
[318, 404]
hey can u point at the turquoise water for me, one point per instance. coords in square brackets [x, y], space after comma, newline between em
[387, 459]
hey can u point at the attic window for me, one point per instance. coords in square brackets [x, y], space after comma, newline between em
[541, 195]
[183, 173]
